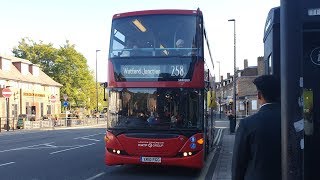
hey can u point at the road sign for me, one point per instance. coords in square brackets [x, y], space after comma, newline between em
[53, 98]
[65, 97]
[65, 103]
[6, 92]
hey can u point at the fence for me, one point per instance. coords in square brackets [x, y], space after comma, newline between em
[49, 123]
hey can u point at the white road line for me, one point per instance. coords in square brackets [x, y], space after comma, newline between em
[221, 127]
[205, 169]
[96, 176]
[72, 148]
[49, 145]
[7, 163]
[26, 147]
[88, 136]
[90, 139]
[217, 136]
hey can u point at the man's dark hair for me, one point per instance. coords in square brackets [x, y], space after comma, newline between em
[269, 86]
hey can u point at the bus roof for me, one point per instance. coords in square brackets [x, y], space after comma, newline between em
[272, 19]
[160, 11]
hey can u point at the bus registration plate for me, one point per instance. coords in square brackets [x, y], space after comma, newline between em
[151, 159]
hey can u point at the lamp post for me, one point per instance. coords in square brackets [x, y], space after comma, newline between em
[219, 71]
[234, 69]
[219, 91]
[97, 78]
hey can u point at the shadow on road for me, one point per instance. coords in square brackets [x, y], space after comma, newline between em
[152, 172]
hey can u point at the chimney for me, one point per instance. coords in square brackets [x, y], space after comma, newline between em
[228, 75]
[221, 78]
[245, 63]
[260, 66]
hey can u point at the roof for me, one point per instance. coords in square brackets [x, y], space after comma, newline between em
[15, 74]
[157, 11]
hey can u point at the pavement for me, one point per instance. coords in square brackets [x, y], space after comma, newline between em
[222, 170]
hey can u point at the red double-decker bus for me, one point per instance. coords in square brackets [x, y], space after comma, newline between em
[159, 89]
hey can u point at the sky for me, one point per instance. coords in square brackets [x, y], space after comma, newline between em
[87, 24]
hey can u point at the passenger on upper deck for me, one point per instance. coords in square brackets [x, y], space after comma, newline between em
[183, 50]
[129, 49]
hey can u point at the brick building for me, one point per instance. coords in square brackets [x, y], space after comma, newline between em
[33, 91]
[246, 93]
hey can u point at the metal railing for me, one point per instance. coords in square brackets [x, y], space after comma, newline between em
[49, 123]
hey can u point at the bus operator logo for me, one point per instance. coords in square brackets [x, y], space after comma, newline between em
[315, 56]
[150, 144]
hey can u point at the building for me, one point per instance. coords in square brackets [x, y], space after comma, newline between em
[246, 93]
[34, 92]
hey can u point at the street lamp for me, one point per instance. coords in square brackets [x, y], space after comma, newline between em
[219, 70]
[219, 91]
[97, 77]
[235, 69]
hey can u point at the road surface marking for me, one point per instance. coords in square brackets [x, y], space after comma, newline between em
[221, 127]
[72, 148]
[96, 176]
[88, 136]
[27, 147]
[7, 163]
[90, 139]
[217, 136]
[205, 169]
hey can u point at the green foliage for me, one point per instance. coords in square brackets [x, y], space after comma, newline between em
[66, 66]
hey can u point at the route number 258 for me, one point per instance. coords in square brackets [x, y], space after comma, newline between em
[177, 70]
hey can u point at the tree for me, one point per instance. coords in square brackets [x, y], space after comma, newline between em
[66, 66]
[38, 53]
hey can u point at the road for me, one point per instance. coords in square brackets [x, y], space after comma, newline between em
[75, 154]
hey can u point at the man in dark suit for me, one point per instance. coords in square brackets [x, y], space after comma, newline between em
[257, 147]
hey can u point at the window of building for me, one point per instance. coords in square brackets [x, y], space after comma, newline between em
[37, 87]
[2, 83]
[24, 69]
[6, 64]
[254, 105]
[35, 70]
[48, 109]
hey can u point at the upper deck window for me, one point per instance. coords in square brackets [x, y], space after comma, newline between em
[153, 35]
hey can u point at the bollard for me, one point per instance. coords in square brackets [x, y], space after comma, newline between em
[232, 124]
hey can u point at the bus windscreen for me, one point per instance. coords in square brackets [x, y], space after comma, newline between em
[161, 108]
[153, 35]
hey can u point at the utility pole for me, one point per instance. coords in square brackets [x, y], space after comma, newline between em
[219, 91]
[291, 89]
[97, 80]
[235, 70]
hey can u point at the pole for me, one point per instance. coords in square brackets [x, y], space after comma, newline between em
[97, 79]
[220, 93]
[220, 107]
[66, 121]
[234, 69]
[7, 102]
[291, 89]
